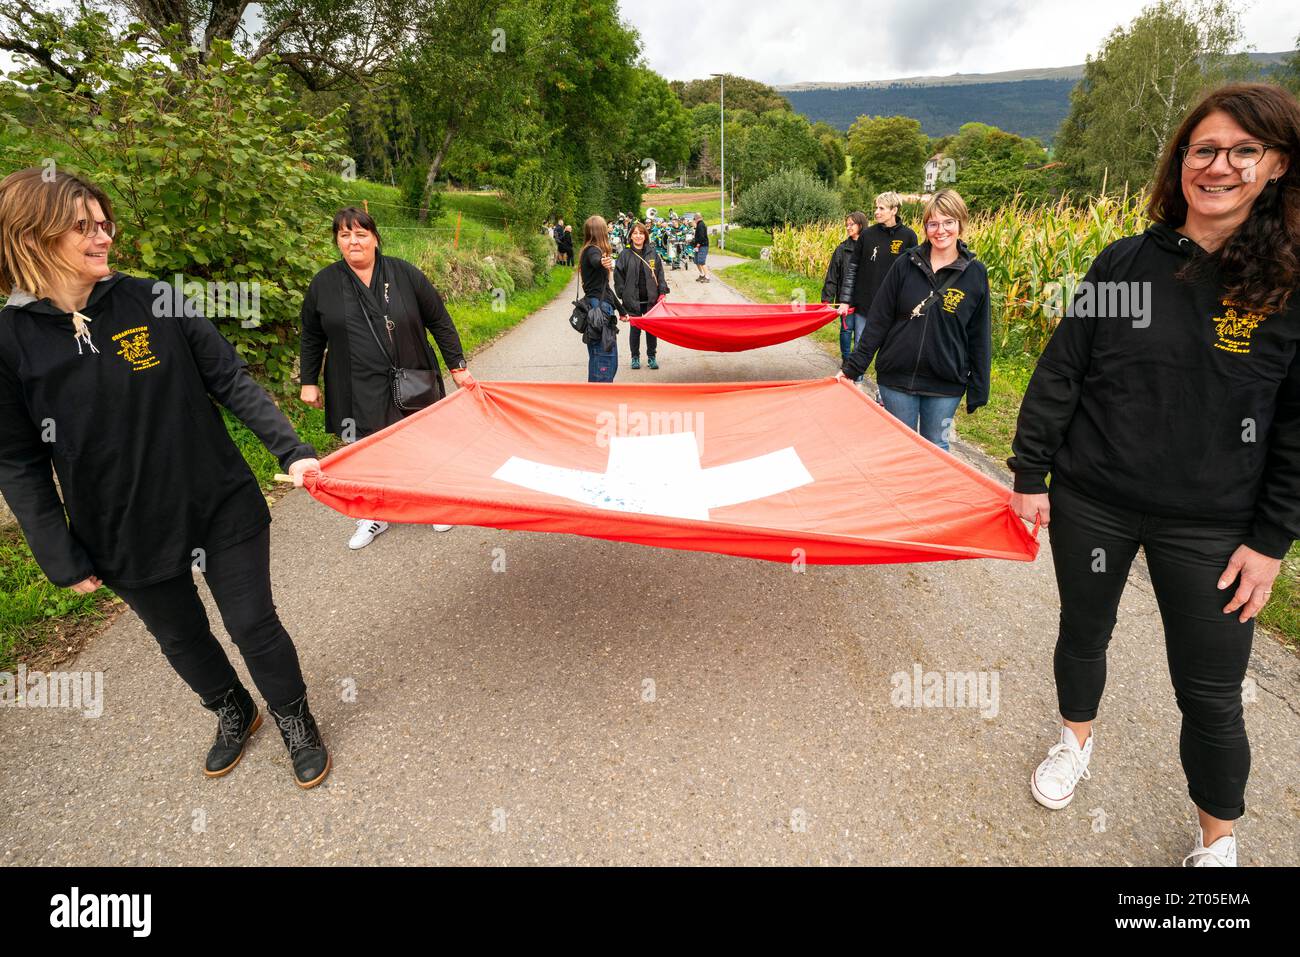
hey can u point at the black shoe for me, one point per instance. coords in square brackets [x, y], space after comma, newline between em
[237, 719]
[311, 762]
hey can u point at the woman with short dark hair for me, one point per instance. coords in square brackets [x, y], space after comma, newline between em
[104, 379]
[369, 314]
[1175, 428]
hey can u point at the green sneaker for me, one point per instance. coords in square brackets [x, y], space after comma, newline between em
[636, 363]
[652, 364]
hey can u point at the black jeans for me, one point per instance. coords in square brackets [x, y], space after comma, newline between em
[634, 342]
[239, 578]
[1093, 545]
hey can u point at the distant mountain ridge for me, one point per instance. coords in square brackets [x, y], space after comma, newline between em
[1031, 102]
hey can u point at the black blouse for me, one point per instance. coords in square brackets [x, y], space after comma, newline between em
[335, 334]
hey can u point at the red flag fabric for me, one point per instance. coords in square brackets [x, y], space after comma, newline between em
[731, 327]
[783, 471]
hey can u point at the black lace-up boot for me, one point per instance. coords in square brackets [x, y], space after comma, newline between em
[311, 762]
[237, 719]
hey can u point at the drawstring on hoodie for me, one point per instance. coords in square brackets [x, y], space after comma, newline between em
[81, 331]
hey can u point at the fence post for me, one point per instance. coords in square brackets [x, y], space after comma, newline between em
[365, 204]
[455, 243]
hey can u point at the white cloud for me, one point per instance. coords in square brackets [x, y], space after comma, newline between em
[841, 40]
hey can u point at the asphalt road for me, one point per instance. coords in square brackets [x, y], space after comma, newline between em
[690, 708]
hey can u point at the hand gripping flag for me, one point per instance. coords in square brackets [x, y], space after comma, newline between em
[731, 327]
[810, 470]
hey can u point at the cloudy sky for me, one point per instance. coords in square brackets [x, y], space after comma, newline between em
[841, 40]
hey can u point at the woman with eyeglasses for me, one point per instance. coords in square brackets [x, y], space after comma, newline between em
[1174, 426]
[928, 327]
[104, 380]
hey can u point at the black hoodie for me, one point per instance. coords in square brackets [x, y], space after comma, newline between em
[878, 248]
[147, 469]
[947, 348]
[1190, 410]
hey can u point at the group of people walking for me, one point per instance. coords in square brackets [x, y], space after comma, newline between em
[1138, 425]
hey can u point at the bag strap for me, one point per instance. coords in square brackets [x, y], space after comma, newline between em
[369, 324]
[952, 277]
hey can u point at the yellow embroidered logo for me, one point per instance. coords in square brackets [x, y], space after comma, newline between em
[1234, 328]
[952, 299]
[133, 346]
[895, 246]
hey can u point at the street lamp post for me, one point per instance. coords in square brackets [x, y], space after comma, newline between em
[722, 185]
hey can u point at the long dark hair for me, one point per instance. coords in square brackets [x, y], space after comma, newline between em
[1259, 264]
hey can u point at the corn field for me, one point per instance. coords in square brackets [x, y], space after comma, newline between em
[1035, 255]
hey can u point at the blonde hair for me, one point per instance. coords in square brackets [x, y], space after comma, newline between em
[890, 200]
[595, 232]
[37, 207]
[947, 202]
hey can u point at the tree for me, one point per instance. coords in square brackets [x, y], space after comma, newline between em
[1140, 85]
[1289, 74]
[660, 127]
[889, 153]
[472, 69]
[742, 94]
[325, 43]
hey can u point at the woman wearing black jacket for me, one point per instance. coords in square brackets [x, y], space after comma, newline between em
[103, 379]
[639, 283]
[369, 313]
[839, 285]
[1166, 409]
[879, 247]
[930, 325]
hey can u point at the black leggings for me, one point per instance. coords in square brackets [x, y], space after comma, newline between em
[1093, 545]
[239, 578]
[634, 343]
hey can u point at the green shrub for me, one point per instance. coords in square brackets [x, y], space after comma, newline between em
[788, 198]
[214, 174]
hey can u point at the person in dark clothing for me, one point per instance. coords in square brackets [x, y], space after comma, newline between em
[1166, 409]
[701, 243]
[596, 275]
[879, 247]
[930, 325]
[368, 313]
[839, 286]
[105, 380]
[565, 246]
[639, 283]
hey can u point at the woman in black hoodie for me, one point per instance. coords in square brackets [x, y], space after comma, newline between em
[1166, 409]
[639, 283]
[930, 325]
[104, 379]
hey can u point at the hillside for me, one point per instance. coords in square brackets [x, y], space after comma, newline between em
[1028, 102]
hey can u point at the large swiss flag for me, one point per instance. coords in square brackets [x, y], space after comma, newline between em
[784, 471]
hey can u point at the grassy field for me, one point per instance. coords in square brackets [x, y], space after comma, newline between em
[993, 427]
[744, 241]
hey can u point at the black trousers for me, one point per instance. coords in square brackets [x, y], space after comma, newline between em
[634, 343]
[1093, 545]
[239, 578]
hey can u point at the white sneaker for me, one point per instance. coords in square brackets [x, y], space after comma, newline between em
[1222, 853]
[366, 531]
[443, 528]
[1054, 781]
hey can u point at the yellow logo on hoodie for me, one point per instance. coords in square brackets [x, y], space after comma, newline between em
[1234, 328]
[133, 346]
[895, 246]
[952, 299]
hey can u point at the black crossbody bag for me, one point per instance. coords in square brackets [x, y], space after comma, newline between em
[413, 389]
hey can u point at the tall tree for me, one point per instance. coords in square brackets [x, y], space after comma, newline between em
[1141, 83]
[889, 153]
[742, 94]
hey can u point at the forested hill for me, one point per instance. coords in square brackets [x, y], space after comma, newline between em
[1027, 107]
[1027, 102]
